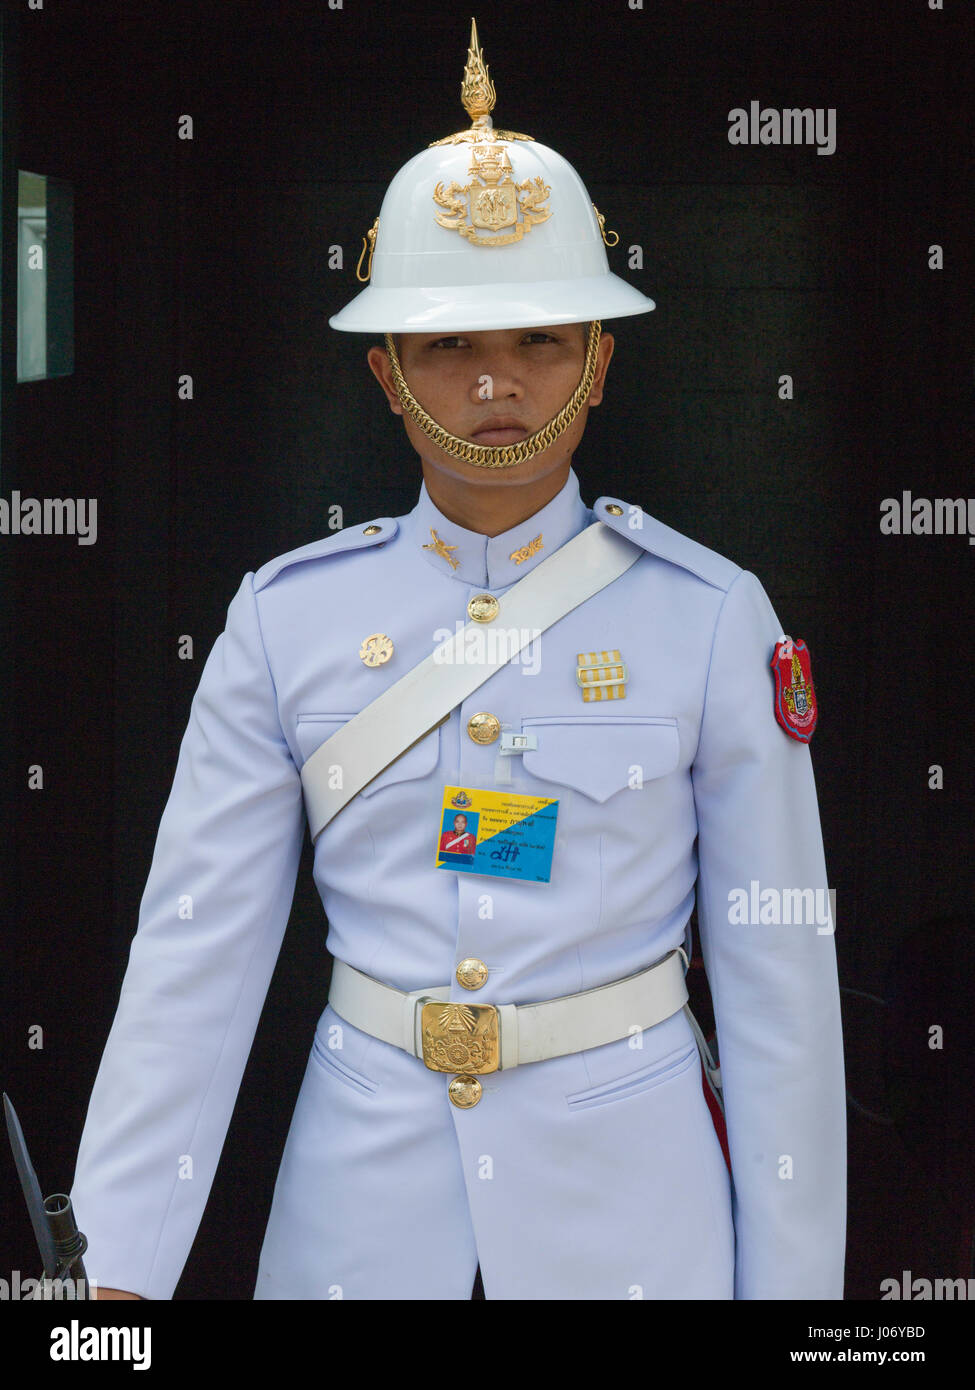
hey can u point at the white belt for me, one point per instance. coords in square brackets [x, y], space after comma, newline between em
[465, 1036]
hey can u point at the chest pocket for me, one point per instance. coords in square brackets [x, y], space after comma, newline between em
[600, 755]
[312, 730]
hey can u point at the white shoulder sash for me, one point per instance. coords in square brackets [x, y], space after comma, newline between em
[427, 694]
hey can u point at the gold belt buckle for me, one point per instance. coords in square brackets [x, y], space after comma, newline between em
[460, 1037]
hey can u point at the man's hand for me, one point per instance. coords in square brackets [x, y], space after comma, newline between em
[114, 1293]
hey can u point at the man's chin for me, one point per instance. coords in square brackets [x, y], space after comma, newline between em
[530, 470]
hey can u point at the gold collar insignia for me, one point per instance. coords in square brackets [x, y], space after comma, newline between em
[532, 548]
[442, 549]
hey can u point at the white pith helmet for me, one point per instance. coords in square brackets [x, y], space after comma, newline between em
[486, 229]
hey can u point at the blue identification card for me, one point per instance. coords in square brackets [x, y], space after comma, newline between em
[499, 833]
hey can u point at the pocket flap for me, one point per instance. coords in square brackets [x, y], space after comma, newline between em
[312, 730]
[599, 756]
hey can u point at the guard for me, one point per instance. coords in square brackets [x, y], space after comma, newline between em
[526, 736]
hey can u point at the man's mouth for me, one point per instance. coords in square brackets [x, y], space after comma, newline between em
[500, 429]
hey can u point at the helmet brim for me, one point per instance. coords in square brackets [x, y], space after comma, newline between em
[470, 309]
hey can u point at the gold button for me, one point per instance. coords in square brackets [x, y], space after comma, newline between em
[376, 649]
[483, 728]
[464, 1091]
[471, 973]
[483, 608]
[614, 510]
[372, 530]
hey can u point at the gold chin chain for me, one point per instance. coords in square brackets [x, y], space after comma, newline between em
[498, 455]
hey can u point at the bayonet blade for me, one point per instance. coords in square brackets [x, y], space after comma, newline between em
[32, 1191]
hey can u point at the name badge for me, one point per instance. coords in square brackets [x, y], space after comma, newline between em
[502, 834]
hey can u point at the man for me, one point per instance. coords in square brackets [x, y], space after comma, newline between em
[505, 1074]
[458, 840]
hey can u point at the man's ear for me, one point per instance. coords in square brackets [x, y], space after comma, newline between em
[383, 372]
[603, 354]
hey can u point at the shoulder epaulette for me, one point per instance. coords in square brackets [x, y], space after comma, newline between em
[376, 532]
[656, 538]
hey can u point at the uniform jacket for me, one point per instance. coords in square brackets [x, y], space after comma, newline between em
[595, 1175]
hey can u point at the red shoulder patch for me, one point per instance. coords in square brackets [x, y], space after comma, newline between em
[794, 703]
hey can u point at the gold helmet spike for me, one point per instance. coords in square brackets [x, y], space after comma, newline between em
[477, 92]
[478, 96]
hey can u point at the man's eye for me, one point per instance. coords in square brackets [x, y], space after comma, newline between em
[447, 342]
[543, 337]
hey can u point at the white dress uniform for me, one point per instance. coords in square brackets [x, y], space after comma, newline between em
[596, 1175]
[591, 1174]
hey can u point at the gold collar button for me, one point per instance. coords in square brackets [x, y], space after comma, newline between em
[483, 608]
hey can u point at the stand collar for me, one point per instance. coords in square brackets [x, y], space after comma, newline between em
[493, 562]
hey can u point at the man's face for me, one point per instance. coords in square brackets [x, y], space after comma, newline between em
[460, 823]
[496, 387]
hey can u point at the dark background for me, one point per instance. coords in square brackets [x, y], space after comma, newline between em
[209, 257]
